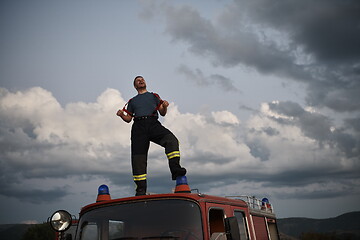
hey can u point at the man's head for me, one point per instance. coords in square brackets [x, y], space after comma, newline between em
[139, 83]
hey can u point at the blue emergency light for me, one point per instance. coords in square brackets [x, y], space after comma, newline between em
[182, 185]
[103, 193]
[103, 189]
[182, 180]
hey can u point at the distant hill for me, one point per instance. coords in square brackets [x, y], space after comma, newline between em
[13, 231]
[21, 231]
[346, 226]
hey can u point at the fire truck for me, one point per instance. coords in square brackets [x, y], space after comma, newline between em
[185, 214]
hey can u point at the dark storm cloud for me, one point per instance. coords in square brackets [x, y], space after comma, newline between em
[18, 161]
[316, 194]
[353, 123]
[327, 29]
[316, 43]
[259, 151]
[347, 143]
[302, 183]
[308, 175]
[329, 32]
[271, 131]
[33, 195]
[199, 79]
[225, 83]
[228, 47]
[320, 128]
[313, 125]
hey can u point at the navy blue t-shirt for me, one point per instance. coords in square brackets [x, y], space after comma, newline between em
[143, 105]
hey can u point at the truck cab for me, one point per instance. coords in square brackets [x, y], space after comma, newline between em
[190, 216]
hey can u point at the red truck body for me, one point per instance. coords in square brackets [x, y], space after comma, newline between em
[190, 216]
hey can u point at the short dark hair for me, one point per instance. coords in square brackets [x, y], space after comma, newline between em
[137, 78]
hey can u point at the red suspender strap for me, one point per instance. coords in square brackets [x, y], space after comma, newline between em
[160, 102]
[125, 110]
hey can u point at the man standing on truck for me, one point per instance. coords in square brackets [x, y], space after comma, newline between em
[144, 109]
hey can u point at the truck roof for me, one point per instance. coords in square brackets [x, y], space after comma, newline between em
[197, 197]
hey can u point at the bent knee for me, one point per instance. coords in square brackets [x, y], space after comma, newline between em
[170, 142]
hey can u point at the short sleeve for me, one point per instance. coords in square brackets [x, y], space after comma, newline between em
[130, 108]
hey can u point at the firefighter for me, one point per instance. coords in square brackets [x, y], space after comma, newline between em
[144, 109]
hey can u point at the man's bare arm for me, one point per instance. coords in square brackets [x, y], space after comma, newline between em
[163, 108]
[126, 117]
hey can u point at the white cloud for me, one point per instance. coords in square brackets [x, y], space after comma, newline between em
[225, 117]
[205, 141]
[81, 137]
[41, 140]
[290, 148]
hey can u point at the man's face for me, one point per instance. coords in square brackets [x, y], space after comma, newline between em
[140, 83]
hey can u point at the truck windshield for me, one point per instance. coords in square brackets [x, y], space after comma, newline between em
[150, 219]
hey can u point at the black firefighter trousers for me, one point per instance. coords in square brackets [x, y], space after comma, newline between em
[143, 131]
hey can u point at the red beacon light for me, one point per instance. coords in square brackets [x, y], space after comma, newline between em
[103, 194]
[182, 185]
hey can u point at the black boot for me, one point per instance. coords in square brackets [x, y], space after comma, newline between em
[140, 188]
[176, 169]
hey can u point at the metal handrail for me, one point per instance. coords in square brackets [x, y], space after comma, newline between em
[254, 203]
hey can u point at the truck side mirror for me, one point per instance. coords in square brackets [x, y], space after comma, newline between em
[232, 228]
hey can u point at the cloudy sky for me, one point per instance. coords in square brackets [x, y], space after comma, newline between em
[264, 100]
